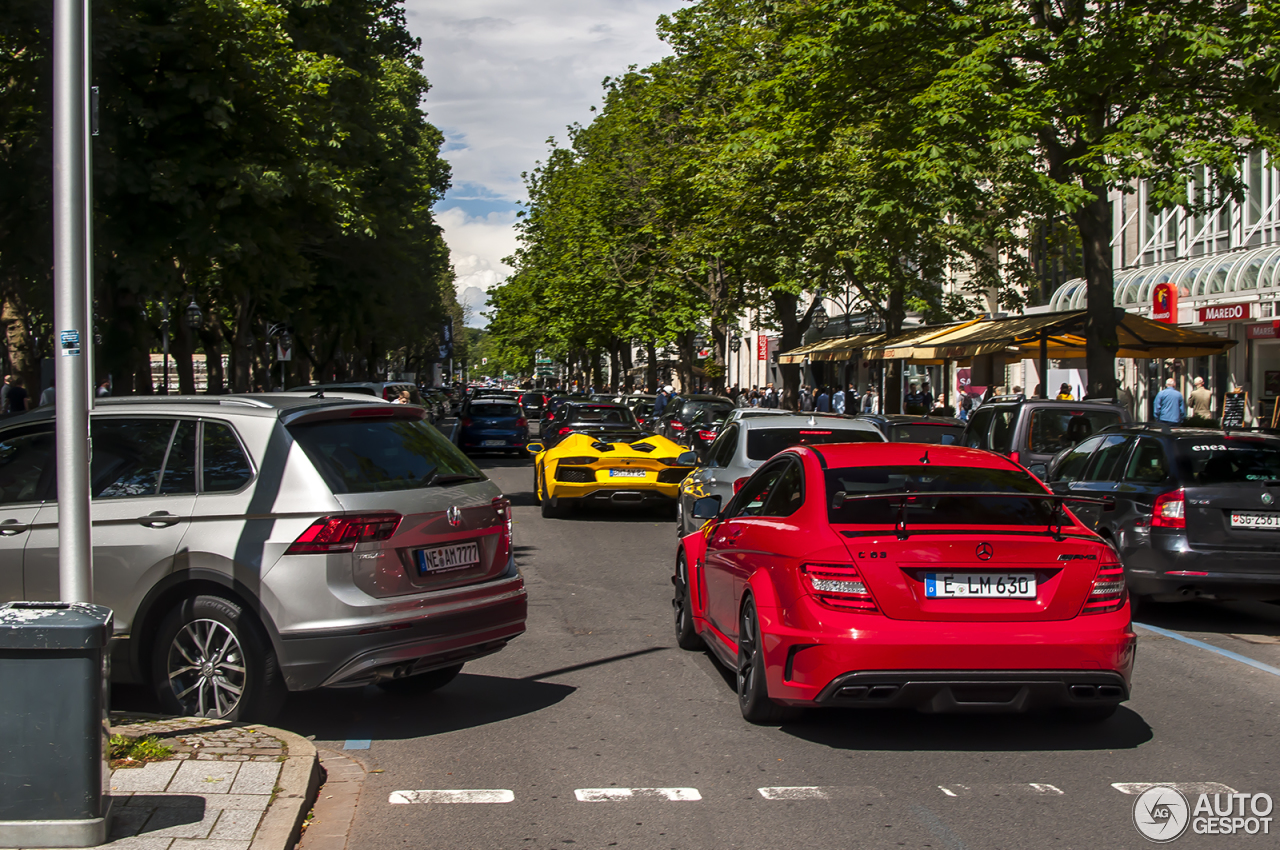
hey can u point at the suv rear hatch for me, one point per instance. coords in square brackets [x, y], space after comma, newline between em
[964, 558]
[445, 524]
[1232, 493]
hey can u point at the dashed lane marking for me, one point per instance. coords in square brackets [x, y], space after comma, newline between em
[616, 795]
[473, 795]
[1225, 653]
[1003, 789]
[819, 792]
[1136, 788]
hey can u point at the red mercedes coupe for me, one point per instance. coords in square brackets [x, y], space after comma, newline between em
[938, 578]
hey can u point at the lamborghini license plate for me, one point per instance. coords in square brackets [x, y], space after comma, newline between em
[626, 473]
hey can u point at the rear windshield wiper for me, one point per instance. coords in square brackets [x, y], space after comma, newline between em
[437, 479]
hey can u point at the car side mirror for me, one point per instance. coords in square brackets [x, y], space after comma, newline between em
[1039, 470]
[534, 448]
[947, 440]
[688, 459]
[706, 508]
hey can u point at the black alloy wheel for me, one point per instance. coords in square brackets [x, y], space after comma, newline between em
[686, 635]
[211, 658]
[421, 683]
[753, 689]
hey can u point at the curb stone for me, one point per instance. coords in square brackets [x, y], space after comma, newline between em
[298, 783]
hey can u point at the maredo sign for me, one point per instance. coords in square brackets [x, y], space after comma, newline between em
[1164, 303]
[1224, 313]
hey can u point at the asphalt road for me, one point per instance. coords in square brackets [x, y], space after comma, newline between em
[596, 698]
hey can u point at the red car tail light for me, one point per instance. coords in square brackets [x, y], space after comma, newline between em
[677, 425]
[522, 422]
[706, 435]
[1109, 591]
[1170, 510]
[564, 430]
[342, 533]
[839, 586]
[737, 485]
[465, 422]
[1013, 456]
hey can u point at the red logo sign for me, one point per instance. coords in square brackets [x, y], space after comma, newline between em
[1270, 330]
[1164, 303]
[1224, 313]
[762, 348]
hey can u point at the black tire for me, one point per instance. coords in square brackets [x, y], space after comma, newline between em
[206, 648]
[422, 683]
[561, 509]
[686, 635]
[753, 689]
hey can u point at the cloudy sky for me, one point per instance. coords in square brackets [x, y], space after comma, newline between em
[505, 76]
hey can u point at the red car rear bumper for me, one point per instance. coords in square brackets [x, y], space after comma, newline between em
[944, 666]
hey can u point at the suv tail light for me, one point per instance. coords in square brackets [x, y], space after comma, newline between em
[1170, 510]
[465, 422]
[677, 425]
[522, 422]
[839, 586]
[737, 485]
[1013, 456]
[342, 533]
[706, 435]
[564, 430]
[1109, 591]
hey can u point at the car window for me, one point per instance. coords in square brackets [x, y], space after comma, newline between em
[1105, 465]
[1071, 467]
[225, 467]
[1056, 428]
[934, 510]
[763, 443]
[607, 415]
[491, 410]
[179, 476]
[373, 456]
[750, 501]
[722, 450]
[23, 458]
[1148, 464]
[711, 409]
[1219, 460]
[923, 432]
[1006, 419]
[128, 456]
[788, 493]
[979, 425]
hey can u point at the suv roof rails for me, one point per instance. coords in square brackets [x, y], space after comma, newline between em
[1010, 397]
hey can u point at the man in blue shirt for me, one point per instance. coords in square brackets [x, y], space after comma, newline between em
[837, 400]
[823, 405]
[1170, 406]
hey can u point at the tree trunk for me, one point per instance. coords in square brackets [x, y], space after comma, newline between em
[615, 366]
[651, 368]
[688, 358]
[784, 308]
[624, 358]
[1101, 339]
[181, 347]
[23, 362]
[242, 348]
[895, 314]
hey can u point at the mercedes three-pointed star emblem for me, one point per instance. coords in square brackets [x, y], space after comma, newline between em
[454, 515]
[985, 551]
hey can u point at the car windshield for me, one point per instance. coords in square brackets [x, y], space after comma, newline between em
[712, 409]
[377, 455]
[608, 415]
[1054, 429]
[924, 432]
[495, 410]
[764, 443]
[1217, 460]
[936, 510]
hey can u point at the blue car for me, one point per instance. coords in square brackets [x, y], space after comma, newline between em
[492, 425]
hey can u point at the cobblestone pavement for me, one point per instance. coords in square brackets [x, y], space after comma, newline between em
[210, 795]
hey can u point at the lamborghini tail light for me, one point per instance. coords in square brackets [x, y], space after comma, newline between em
[838, 586]
[1109, 591]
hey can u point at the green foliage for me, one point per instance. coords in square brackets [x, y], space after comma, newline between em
[123, 751]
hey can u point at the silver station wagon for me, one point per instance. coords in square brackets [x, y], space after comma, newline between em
[254, 544]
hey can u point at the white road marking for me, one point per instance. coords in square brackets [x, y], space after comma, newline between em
[1002, 789]
[614, 795]
[474, 795]
[1135, 788]
[819, 792]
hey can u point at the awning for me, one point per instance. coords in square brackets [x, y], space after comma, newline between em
[910, 345]
[846, 348]
[1019, 336]
[797, 355]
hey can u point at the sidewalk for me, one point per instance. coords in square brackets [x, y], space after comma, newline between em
[227, 786]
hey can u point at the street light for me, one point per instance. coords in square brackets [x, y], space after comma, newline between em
[820, 318]
[195, 319]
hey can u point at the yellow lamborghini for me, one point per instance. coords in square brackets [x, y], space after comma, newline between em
[597, 457]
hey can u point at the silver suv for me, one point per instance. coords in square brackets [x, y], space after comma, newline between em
[254, 544]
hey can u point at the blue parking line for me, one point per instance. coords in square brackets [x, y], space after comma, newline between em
[1225, 653]
[357, 744]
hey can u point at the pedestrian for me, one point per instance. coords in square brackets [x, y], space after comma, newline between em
[871, 401]
[927, 395]
[1064, 393]
[770, 396]
[806, 398]
[1169, 405]
[915, 403]
[1201, 400]
[4, 394]
[17, 398]
[1017, 390]
[660, 403]
[403, 398]
[823, 404]
[837, 400]
[47, 397]
[966, 406]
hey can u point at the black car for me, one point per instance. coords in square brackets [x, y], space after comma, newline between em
[703, 411]
[589, 417]
[533, 402]
[1030, 431]
[901, 428]
[1193, 512]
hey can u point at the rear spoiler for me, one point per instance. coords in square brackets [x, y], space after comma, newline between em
[347, 409]
[900, 526]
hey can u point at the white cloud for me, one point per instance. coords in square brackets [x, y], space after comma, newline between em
[506, 75]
